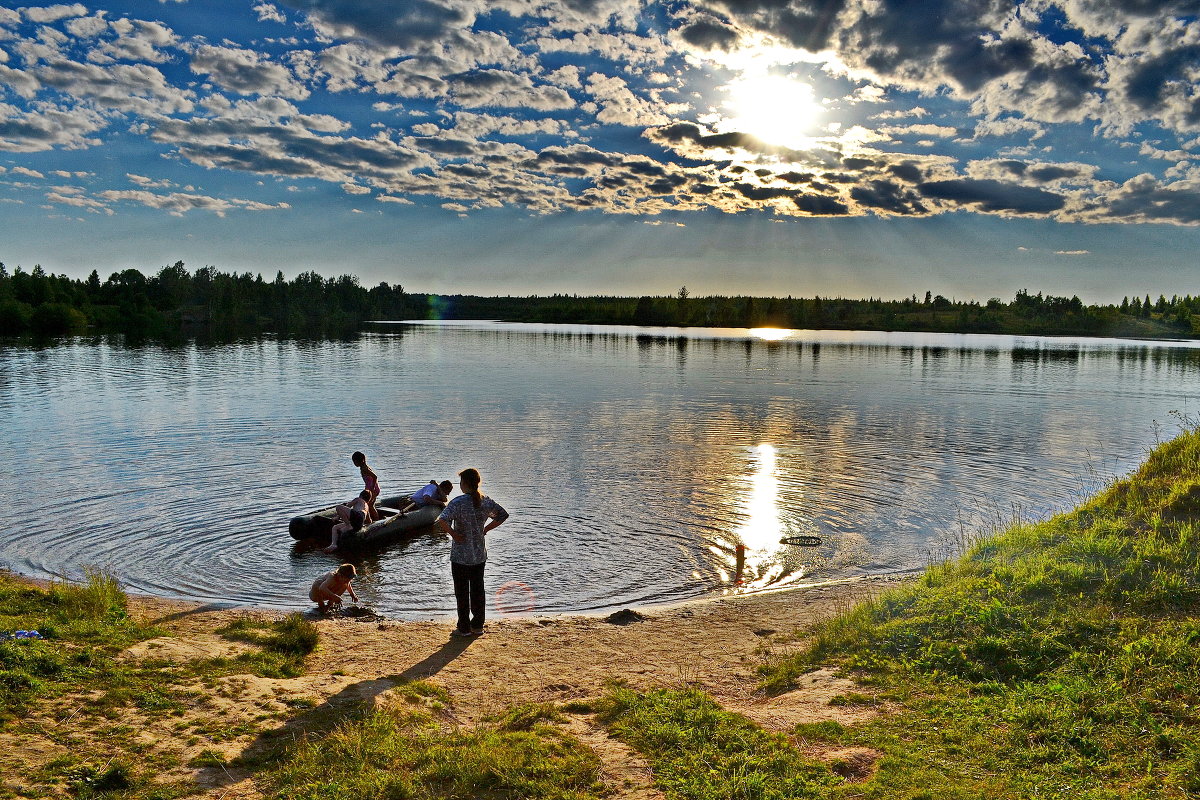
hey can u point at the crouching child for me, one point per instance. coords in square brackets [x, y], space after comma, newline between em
[328, 589]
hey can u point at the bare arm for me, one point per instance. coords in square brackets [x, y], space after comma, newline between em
[497, 514]
[445, 528]
[324, 592]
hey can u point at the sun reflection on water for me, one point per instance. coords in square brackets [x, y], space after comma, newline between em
[771, 335]
[759, 536]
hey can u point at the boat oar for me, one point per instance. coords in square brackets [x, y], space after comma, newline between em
[802, 541]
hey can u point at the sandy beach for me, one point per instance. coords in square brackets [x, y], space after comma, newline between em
[714, 644]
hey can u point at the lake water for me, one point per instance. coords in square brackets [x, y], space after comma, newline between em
[633, 461]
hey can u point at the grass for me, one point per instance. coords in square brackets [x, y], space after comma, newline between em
[407, 750]
[1058, 659]
[700, 752]
[83, 624]
[72, 689]
[284, 643]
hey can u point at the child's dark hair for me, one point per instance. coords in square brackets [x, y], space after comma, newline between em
[347, 571]
[446, 486]
[358, 456]
[471, 479]
[365, 494]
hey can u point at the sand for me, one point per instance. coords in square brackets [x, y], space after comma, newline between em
[713, 644]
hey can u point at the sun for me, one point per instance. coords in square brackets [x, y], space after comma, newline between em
[773, 108]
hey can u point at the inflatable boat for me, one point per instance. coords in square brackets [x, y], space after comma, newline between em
[392, 526]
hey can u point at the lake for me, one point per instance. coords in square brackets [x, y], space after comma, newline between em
[633, 461]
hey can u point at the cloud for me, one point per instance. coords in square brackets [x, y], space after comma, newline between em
[1072, 252]
[179, 203]
[246, 72]
[48, 129]
[620, 106]
[1032, 173]
[1144, 198]
[53, 13]
[500, 89]
[1009, 126]
[405, 26]
[612, 106]
[135, 41]
[940, 131]
[269, 13]
[992, 196]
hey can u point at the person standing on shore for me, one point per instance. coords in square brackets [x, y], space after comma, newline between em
[467, 519]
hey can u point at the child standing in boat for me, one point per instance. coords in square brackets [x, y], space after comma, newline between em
[328, 589]
[370, 483]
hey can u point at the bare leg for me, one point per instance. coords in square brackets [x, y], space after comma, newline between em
[333, 538]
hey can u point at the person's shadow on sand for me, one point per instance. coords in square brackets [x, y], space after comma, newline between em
[436, 661]
[354, 699]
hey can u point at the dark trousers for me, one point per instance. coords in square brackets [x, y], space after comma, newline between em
[468, 592]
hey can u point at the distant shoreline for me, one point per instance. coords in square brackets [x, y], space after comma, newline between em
[176, 302]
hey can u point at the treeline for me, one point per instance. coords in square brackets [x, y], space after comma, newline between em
[1030, 314]
[175, 301]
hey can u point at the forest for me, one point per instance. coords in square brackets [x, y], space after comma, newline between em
[175, 302]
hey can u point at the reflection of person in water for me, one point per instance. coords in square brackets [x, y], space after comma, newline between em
[468, 519]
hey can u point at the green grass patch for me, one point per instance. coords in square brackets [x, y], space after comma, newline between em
[284, 643]
[83, 624]
[292, 635]
[699, 751]
[406, 751]
[1058, 659]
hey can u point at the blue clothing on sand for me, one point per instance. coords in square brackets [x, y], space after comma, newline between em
[468, 521]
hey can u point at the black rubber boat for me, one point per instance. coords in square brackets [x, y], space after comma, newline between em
[391, 527]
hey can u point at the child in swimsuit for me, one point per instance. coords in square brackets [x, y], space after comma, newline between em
[370, 482]
[327, 590]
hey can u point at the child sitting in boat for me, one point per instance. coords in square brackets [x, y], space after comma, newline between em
[353, 516]
[432, 493]
[327, 590]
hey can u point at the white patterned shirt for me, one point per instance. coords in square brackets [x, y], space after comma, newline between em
[468, 522]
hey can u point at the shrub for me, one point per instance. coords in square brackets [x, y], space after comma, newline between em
[52, 319]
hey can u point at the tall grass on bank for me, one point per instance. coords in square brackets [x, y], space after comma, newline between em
[1059, 659]
[82, 624]
[404, 751]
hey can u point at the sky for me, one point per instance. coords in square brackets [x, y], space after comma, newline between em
[770, 147]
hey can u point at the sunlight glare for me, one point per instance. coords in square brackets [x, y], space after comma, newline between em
[773, 108]
[771, 335]
[760, 534]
